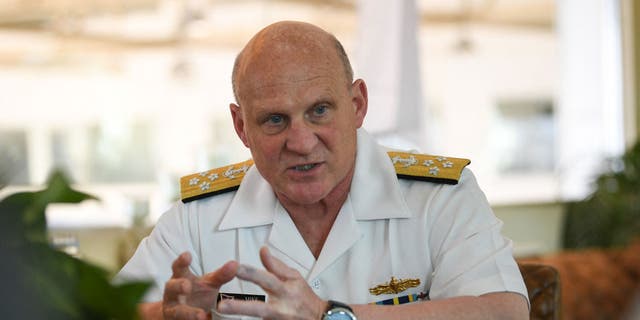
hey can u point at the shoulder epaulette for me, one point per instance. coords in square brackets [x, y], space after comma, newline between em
[428, 168]
[408, 166]
[208, 183]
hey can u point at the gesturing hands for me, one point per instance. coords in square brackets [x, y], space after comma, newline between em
[290, 297]
[189, 297]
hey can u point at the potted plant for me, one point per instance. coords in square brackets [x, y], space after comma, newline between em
[40, 282]
[610, 216]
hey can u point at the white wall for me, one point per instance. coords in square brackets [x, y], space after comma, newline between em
[462, 89]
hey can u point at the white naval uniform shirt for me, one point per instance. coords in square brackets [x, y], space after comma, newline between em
[444, 235]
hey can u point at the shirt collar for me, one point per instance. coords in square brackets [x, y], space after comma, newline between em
[254, 204]
[375, 191]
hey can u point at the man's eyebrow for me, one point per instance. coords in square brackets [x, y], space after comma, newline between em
[261, 112]
[324, 99]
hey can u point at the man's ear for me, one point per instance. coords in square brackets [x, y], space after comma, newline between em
[360, 100]
[238, 123]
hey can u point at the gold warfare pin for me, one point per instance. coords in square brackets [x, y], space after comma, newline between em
[394, 286]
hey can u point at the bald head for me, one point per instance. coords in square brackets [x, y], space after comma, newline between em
[287, 42]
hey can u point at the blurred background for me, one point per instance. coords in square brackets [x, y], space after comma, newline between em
[127, 96]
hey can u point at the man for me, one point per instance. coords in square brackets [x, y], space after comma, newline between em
[320, 214]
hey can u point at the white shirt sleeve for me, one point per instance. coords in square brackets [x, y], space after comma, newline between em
[153, 258]
[469, 254]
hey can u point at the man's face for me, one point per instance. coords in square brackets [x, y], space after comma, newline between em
[299, 118]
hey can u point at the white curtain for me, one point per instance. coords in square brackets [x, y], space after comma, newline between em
[387, 59]
[590, 108]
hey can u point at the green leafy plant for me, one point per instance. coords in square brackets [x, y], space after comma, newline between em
[610, 216]
[40, 282]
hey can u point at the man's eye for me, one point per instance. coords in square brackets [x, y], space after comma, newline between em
[319, 110]
[275, 119]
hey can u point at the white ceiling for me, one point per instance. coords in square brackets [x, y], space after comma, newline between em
[535, 13]
[540, 13]
[116, 24]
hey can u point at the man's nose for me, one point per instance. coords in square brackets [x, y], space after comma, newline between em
[301, 138]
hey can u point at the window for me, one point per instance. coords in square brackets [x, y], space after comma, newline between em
[523, 136]
[14, 160]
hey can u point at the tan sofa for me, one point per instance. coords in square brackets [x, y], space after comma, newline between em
[596, 283]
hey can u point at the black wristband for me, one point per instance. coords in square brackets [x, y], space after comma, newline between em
[333, 304]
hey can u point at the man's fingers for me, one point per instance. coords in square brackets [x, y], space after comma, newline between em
[183, 311]
[266, 280]
[248, 308]
[174, 289]
[175, 296]
[180, 266]
[275, 266]
[222, 275]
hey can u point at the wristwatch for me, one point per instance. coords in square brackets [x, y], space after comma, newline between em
[338, 311]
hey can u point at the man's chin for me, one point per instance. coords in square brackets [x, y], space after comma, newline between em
[305, 199]
[305, 195]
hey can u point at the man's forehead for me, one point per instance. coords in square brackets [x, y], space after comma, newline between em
[292, 70]
[286, 67]
[310, 88]
[287, 50]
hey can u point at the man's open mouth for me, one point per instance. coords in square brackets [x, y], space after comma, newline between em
[305, 167]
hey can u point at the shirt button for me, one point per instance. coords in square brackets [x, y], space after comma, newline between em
[315, 284]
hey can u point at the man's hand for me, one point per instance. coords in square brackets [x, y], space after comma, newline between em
[189, 297]
[290, 297]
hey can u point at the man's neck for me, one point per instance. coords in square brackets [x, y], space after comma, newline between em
[314, 221]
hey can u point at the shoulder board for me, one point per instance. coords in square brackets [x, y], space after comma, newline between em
[428, 168]
[208, 183]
